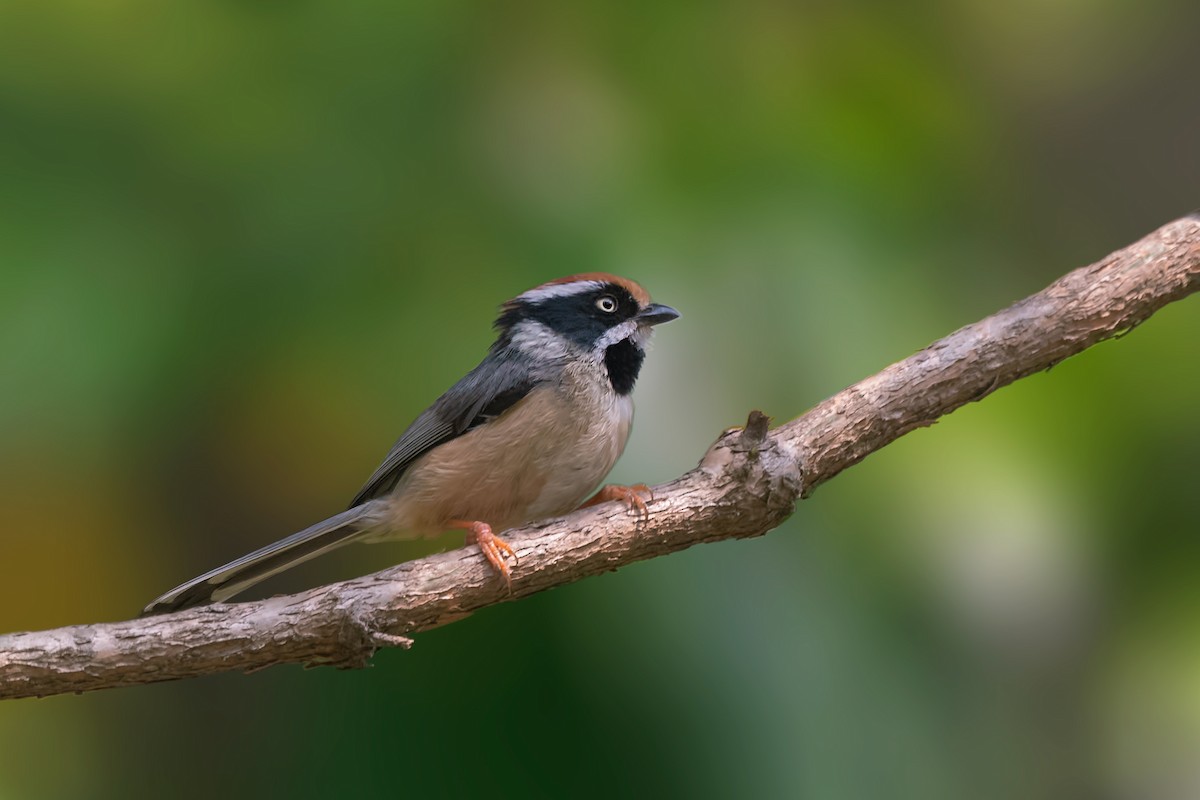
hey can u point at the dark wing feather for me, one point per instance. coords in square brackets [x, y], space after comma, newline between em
[483, 394]
[426, 432]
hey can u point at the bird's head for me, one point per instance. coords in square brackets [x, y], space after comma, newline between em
[596, 316]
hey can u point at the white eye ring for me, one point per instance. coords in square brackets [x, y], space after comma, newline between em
[607, 304]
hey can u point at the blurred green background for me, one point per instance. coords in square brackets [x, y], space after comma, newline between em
[246, 242]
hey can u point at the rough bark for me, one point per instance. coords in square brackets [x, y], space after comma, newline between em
[746, 484]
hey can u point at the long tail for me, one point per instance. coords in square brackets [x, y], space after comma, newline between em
[222, 583]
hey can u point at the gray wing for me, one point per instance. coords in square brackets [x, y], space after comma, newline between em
[484, 393]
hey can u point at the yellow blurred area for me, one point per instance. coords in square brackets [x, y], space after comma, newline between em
[65, 541]
[244, 244]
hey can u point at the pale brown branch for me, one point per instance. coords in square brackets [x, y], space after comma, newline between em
[746, 484]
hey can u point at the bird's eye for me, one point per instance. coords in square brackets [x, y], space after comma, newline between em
[607, 304]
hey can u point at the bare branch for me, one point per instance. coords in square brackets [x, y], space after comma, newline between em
[746, 484]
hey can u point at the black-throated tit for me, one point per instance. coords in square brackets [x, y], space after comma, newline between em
[527, 434]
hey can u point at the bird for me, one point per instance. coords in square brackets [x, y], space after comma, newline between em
[527, 434]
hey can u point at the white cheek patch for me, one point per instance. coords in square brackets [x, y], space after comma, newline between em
[543, 293]
[532, 336]
[629, 329]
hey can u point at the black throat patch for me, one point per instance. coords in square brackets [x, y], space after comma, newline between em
[624, 362]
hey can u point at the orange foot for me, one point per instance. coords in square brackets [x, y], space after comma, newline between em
[480, 533]
[631, 496]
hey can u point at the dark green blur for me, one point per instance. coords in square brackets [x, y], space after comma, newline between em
[244, 243]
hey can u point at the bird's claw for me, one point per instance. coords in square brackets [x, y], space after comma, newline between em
[631, 496]
[493, 548]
